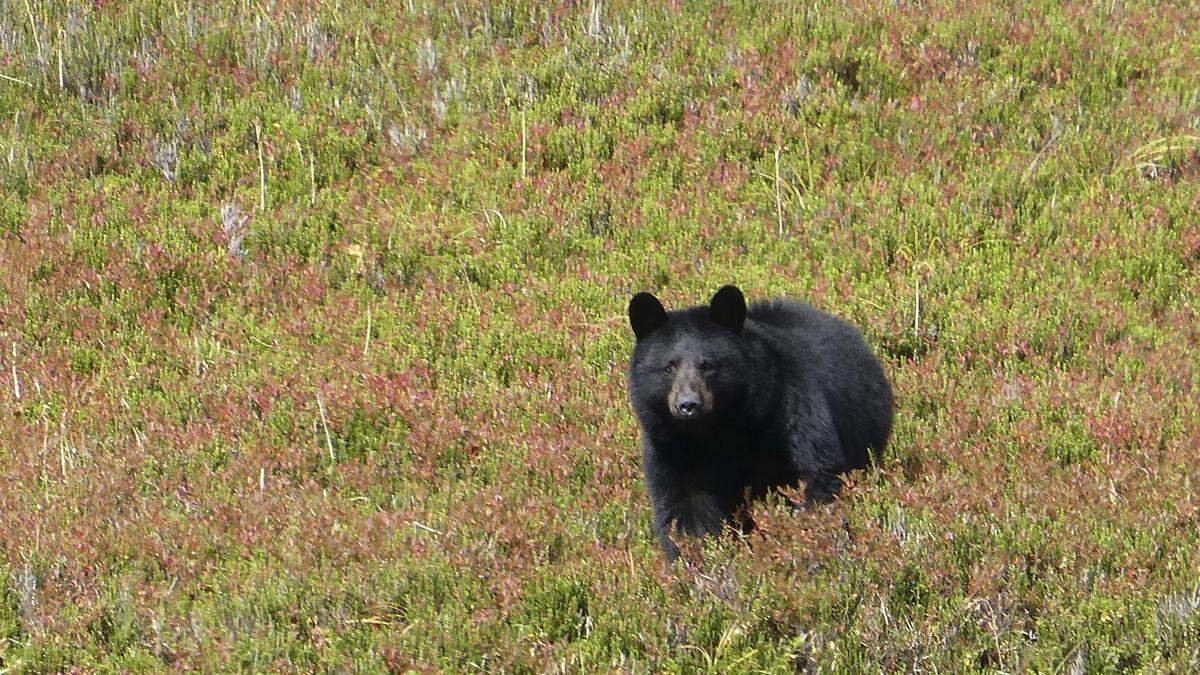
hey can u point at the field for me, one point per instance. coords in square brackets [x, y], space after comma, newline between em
[313, 335]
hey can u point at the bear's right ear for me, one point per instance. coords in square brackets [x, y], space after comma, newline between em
[646, 314]
[728, 308]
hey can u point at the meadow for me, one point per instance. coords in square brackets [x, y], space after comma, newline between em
[313, 335]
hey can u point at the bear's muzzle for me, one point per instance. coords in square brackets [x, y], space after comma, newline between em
[690, 398]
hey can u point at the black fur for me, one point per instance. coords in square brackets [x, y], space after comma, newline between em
[734, 402]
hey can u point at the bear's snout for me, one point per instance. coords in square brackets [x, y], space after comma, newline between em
[690, 397]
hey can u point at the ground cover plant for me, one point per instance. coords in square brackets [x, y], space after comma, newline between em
[312, 331]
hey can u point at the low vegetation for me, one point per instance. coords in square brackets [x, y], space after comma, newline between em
[312, 333]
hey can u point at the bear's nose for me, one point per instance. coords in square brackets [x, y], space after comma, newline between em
[687, 407]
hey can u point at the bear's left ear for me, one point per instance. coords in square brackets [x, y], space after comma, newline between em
[728, 308]
[646, 314]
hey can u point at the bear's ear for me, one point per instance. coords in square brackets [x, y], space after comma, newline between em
[728, 308]
[646, 314]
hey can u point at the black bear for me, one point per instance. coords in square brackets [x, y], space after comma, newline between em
[734, 402]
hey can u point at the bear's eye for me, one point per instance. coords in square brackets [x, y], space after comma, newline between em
[706, 366]
[670, 367]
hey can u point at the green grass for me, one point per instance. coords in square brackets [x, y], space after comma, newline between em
[312, 332]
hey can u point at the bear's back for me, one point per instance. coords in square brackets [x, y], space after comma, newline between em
[833, 354]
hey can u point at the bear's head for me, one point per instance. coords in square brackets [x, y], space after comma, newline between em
[688, 366]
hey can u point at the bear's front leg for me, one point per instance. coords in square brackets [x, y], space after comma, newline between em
[679, 503]
[820, 488]
[689, 513]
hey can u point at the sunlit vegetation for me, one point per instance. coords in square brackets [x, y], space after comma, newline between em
[312, 335]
